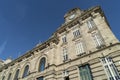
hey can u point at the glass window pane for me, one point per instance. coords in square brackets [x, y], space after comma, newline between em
[85, 72]
[110, 68]
[65, 55]
[26, 71]
[91, 24]
[98, 39]
[79, 48]
[42, 64]
[16, 75]
[76, 33]
[64, 39]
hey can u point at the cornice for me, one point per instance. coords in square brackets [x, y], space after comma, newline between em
[53, 39]
[94, 52]
[83, 16]
[111, 45]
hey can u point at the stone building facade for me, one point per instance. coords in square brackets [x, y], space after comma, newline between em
[82, 48]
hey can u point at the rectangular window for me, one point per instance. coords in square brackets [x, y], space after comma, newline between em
[110, 68]
[85, 72]
[79, 48]
[65, 55]
[64, 39]
[98, 40]
[66, 75]
[76, 33]
[91, 24]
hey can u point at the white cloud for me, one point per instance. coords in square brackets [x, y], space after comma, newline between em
[2, 47]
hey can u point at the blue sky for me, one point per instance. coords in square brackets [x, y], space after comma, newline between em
[25, 23]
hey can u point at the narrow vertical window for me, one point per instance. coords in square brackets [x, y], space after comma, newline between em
[79, 48]
[65, 55]
[91, 24]
[16, 75]
[85, 72]
[76, 33]
[42, 64]
[98, 40]
[9, 76]
[66, 75]
[64, 39]
[3, 78]
[110, 68]
[26, 71]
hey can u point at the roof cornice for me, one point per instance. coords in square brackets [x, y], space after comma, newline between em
[43, 45]
[84, 15]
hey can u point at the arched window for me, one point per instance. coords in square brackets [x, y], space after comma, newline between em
[16, 75]
[3, 78]
[26, 71]
[42, 64]
[9, 76]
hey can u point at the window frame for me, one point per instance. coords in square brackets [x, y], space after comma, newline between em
[16, 76]
[98, 40]
[65, 54]
[64, 39]
[91, 24]
[65, 73]
[79, 48]
[26, 71]
[111, 71]
[41, 64]
[76, 33]
[85, 69]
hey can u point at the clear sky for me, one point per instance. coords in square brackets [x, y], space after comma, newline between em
[25, 23]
